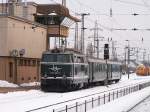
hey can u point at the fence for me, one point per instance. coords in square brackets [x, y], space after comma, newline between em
[101, 99]
[91, 102]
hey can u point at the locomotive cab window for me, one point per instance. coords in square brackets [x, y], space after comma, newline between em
[57, 58]
[79, 59]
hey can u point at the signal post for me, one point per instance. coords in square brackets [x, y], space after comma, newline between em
[106, 57]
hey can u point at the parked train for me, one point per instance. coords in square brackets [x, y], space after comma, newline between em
[69, 70]
[143, 70]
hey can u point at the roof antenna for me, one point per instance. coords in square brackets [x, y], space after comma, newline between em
[25, 9]
[64, 3]
[25, 3]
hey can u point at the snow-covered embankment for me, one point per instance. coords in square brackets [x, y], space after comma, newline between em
[125, 103]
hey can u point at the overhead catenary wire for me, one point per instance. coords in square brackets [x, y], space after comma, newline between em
[130, 3]
[146, 4]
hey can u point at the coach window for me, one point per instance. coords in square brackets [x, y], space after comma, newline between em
[113, 68]
[75, 59]
[82, 67]
[105, 66]
[79, 59]
[76, 70]
[101, 66]
[71, 58]
[82, 59]
[96, 67]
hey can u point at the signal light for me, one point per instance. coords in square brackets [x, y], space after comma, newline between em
[106, 51]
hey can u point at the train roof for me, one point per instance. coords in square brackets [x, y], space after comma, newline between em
[63, 51]
[103, 61]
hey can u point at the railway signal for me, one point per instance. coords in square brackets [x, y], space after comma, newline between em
[106, 51]
[106, 57]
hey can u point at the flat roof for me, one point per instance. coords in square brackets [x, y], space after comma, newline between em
[24, 20]
[59, 9]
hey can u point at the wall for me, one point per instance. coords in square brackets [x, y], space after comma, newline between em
[3, 35]
[19, 34]
[5, 70]
[22, 70]
[25, 12]
[28, 70]
[22, 36]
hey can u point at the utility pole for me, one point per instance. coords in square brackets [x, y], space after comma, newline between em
[64, 3]
[125, 56]
[76, 36]
[82, 32]
[114, 53]
[128, 57]
[144, 54]
[96, 38]
[148, 59]
[137, 54]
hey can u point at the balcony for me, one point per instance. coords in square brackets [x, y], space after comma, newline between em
[58, 31]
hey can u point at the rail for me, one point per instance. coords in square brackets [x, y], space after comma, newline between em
[137, 104]
[102, 98]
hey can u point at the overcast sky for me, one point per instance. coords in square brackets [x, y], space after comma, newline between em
[122, 18]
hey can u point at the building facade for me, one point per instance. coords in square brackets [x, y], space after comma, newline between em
[25, 29]
[21, 45]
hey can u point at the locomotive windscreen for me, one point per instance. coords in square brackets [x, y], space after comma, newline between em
[56, 58]
[55, 65]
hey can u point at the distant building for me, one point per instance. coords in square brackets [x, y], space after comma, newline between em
[23, 38]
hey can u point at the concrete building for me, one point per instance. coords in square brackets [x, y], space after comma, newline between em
[23, 38]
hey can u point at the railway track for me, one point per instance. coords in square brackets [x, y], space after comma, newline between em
[56, 100]
[132, 109]
[27, 96]
[83, 97]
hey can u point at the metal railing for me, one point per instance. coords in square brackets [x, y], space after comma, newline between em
[95, 99]
[101, 99]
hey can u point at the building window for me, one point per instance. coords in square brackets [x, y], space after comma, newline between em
[21, 62]
[38, 63]
[24, 27]
[34, 62]
[29, 63]
[25, 62]
[10, 69]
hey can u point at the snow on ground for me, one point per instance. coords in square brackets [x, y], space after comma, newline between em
[7, 84]
[142, 107]
[30, 84]
[125, 103]
[23, 101]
